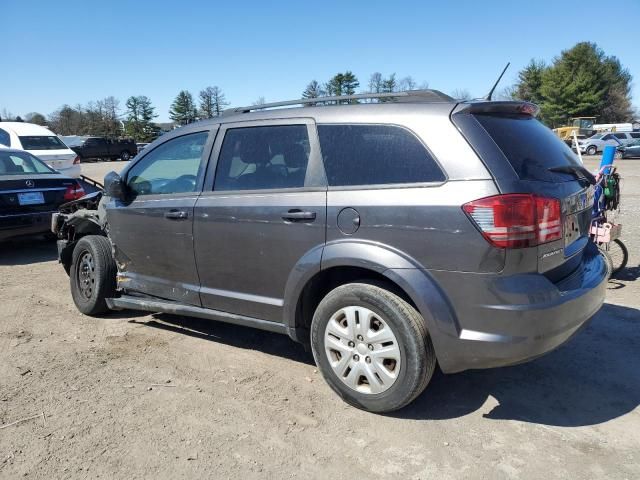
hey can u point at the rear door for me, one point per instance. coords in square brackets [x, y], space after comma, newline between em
[263, 215]
[152, 231]
[524, 156]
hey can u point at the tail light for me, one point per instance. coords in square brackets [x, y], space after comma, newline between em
[74, 192]
[517, 220]
[76, 161]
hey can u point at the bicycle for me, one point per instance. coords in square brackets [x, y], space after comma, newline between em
[604, 232]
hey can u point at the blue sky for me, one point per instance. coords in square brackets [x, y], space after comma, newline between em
[69, 51]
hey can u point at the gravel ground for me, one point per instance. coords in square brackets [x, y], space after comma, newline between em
[160, 396]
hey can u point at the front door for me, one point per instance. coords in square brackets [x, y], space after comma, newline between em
[264, 214]
[152, 231]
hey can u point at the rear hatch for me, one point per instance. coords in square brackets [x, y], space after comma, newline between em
[526, 157]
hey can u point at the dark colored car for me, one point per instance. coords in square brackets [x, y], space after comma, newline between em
[30, 192]
[630, 150]
[388, 236]
[100, 147]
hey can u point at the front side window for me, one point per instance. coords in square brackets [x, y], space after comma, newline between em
[256, 158]
[375, 155]
[621, 136]
[4, 138]
[173, 167]
[42, 142]
[19, 163]
[608, 137]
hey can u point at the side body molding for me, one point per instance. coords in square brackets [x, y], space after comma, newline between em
[413, 278]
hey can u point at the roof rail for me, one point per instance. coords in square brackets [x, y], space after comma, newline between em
[406, 96]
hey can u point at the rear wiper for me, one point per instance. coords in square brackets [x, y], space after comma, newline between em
[579, 172]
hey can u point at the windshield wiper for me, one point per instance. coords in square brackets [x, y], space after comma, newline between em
[577, 171]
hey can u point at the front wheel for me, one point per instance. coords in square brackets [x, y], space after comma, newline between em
[592, 150]
[92, 274]
[618, 155]
[372, 347]
[618, 255]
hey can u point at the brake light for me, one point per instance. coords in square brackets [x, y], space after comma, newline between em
[517, 220]
[76, 161]
[74, 192]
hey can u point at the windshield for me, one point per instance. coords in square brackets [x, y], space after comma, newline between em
[19, 163]
[73, 141]
[530, 147]
[42, 142]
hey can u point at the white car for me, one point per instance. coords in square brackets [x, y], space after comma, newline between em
[42, 143]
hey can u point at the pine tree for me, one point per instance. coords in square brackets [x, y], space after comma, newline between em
[140, 114]
[313, 90]
[529, 82]
[183, 109]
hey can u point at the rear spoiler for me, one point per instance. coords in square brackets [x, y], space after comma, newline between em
[506, 107]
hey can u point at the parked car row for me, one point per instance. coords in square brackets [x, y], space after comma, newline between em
[597, 142]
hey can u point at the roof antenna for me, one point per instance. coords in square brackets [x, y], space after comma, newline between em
[488, 97]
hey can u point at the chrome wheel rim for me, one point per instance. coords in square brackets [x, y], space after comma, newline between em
[86, 275]
[362, 350]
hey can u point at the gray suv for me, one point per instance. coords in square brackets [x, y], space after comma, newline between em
[388, 236]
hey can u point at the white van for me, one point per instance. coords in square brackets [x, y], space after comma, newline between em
[42, 143]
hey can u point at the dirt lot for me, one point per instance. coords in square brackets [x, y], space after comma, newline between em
[159, 396]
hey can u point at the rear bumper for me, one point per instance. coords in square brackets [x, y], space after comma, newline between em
[505, 320]
[12, 226]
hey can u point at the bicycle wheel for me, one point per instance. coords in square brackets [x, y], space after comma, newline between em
[607, 258]
[619, 255]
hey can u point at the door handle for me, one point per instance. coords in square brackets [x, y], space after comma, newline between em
[176, 215]
[296, 215]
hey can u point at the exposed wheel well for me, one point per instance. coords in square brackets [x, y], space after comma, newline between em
[325, 281]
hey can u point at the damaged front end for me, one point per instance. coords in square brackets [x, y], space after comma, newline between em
[74, 220]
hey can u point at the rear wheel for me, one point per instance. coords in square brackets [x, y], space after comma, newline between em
[92, 274]
[372, 347]
[616, 254]
[125, 156]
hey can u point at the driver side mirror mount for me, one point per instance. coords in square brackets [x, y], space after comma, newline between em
[114, 186]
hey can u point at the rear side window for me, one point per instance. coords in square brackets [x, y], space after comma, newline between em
[530, 147]
[4, 138]
[375, 155]
[635, 135]
[257, 158]
[42, 142]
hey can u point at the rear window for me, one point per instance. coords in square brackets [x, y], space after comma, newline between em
[530, 147]
[19, 163]
[42, 142]
[375, 155]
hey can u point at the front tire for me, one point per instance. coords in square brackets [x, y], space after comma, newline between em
[592, 150]
[92, 274]
[372, 347]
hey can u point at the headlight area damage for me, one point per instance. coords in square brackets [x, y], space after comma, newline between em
[74, 220]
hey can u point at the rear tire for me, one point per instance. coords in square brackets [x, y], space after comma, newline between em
[125, 156]
[359, 369]
[92, 274]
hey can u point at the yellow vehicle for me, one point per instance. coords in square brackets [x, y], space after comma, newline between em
[582, 126]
